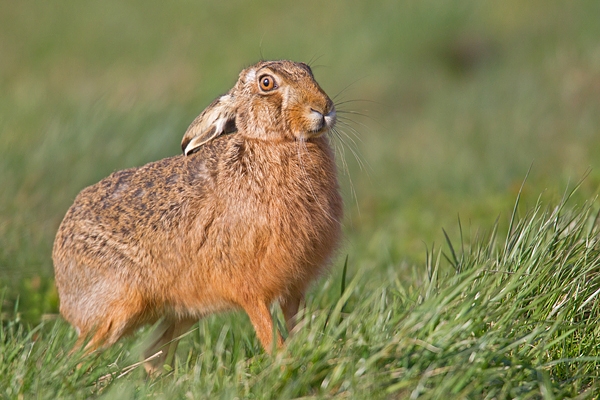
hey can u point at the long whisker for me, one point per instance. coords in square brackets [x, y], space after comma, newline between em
[352, 188]
[346, 121]
[346, 88]
[342, 154]
[353, 131]
[351, 128]
[314, 59]
[352, 112]
[339, 103]
[346, 132]
[342, 112]
[345, 165]
[302, 144]
[354, 150]
[353, 147]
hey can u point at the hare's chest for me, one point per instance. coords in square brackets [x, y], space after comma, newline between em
[283, 194]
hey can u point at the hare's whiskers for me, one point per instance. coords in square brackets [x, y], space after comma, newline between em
[353, 131]
[337, 96]
[301, 145]
[341, 134]
[346, 121]
[345, 165]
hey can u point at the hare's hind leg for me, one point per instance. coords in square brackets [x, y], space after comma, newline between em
[103, 330]
[163, 344]
[97, 337]
[290, 306]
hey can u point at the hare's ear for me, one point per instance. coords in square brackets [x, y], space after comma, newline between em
[217, 119]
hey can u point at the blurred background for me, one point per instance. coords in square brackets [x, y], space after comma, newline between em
[449, 105]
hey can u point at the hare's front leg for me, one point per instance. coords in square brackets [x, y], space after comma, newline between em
[261, 319]
[165, 339]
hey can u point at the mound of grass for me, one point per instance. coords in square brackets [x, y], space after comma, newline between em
[512, 318]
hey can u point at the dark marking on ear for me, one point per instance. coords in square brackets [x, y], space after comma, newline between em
[230, 127]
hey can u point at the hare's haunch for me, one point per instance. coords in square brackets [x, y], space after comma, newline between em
[248, 215]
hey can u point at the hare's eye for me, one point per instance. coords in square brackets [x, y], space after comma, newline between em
[267, 83]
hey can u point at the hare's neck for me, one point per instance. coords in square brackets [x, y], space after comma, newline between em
[262, 154]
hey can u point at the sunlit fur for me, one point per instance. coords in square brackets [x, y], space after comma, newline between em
[251, 215]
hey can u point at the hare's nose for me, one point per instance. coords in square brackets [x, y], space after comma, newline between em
[330, 118]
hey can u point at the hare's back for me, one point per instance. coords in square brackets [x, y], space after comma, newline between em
[134, 210]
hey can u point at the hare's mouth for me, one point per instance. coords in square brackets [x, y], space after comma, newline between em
[320, 123]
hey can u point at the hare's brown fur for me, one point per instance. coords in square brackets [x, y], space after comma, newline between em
[243, 220]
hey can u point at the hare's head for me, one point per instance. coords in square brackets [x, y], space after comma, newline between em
[272, 100]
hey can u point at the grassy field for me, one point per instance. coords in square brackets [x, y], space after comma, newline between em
[449, 291]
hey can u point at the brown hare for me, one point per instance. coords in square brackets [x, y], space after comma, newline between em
[248, 215]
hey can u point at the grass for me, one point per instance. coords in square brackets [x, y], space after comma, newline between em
[462, 99]
[513, 318]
